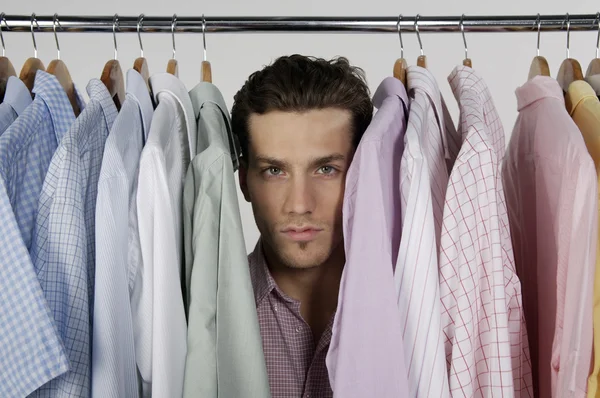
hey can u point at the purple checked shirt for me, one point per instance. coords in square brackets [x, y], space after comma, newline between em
[366, 357]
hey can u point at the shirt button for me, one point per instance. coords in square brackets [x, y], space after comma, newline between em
[275, 307]
[298, 330]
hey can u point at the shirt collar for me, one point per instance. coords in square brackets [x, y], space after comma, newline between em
[537, 88]
[97, 91]
[48, 89]
[391, 86]
[421, 79]
[464, 80]
[207, 92]
[594, 81]
[168, 83]
[137, 88]
[17, 95]
[578, 91]
[262, 280]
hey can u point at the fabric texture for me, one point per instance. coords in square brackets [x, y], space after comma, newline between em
[225, 355]
[366, 357]
[32, 350]
[551, 192]
[584, 107]
[423, 180]
[157, 299]
[486, 340]
[114, 369]
[295, 361]
[63, 249]
[16, 99]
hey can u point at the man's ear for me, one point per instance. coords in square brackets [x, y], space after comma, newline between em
[243, 176]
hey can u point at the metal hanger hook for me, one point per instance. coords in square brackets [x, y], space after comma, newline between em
[568, 22]
[417, 32]
[204, 34]
[54, 22]
[3, 18]
[400, 36]
[34, 19]
[140, 21]
[598, 37]
[462, 30]
[115, 25]
[538, 23]
[173, 26]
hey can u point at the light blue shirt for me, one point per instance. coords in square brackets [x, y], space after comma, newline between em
[32, 352]
[63, 249]
[114, 369]
[16, 98]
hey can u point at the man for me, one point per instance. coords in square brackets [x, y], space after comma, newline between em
[299, 122]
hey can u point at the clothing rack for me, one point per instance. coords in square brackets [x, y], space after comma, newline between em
[200, 24]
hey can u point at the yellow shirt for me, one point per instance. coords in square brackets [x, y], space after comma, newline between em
[584, 108]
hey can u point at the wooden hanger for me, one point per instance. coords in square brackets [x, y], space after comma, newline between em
[539, 65]
[400, 65]
[570, 69]
[31, 65]
[422, 59]
[467, 61]
[594, 66]
[172, 66]
[59, 69]
[140, 64]
[6, 67]
[112, 74]
[206, 69]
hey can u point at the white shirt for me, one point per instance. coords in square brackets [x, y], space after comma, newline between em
[158, 309]
[114, 371]
[423, 180]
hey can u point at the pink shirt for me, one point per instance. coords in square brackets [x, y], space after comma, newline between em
[366, 357]
[551, 191]
[486, 344]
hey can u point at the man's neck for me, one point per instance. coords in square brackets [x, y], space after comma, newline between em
[315, 288]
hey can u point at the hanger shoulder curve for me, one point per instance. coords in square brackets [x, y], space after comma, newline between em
[422, 61]
[173, 67]
[141, 65]
[6, 70]
[59, 69]
[29, 70]
[400, 67]
[206, 72]
[593, 68]
[112, 77]
[539, 67]
[570, 71]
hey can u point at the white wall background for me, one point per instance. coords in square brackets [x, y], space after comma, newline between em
[503, 59]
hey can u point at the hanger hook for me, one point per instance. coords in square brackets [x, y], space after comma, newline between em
[462, 30]
[417, 32]
[568, 22]
[140, 21]
[54, 22]
[204, 34]
[34, 19]
[538, 23]
[115, 27]
[173, 25]
[3, 18]
[598, 37]
[400, 36]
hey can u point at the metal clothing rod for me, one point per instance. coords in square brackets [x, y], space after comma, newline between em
[194, 24]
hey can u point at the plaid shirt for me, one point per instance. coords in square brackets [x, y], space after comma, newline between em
[295, 362]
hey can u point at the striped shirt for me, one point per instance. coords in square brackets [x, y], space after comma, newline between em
[423, 180]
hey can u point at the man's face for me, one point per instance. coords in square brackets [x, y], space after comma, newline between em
[295, 178]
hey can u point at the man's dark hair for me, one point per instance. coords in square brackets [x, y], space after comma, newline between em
[297, 83]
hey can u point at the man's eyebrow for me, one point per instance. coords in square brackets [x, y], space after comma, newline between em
[282, 164]
[328, 159]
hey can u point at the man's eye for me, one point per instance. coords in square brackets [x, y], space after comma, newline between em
[274, 171]
[326, 170]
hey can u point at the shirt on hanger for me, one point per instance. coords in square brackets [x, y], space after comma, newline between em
[225, 356]
[114, 369]
[584, 107]
[63, 242]
[486, 344]
[32, 351]
[157, 299]
[551, 192]
[366, 357]
[16, 98]
[295, 361]
[423, 180]
[594, 81]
